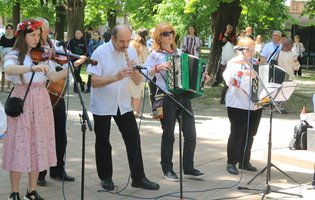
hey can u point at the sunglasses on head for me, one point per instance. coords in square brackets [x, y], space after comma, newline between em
[167, 33]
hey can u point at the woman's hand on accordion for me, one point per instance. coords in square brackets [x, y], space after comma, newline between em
[249, 73]
[164, 66]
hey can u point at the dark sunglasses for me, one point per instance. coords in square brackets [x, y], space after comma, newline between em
[165, 34]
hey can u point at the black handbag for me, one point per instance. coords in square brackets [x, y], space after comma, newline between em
[13, 106]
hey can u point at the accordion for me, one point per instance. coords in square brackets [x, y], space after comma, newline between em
[186, 76]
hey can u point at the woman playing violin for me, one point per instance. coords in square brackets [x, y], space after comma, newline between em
[29, 145]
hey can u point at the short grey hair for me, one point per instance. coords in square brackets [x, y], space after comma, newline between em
[277, 32]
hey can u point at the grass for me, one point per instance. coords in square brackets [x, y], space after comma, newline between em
[302, 96]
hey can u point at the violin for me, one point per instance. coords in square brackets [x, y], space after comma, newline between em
[39, 55]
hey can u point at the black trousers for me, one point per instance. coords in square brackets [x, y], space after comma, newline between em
[238, 139]
[299, 72]
[60, 137]
[77, 72]
[103, 150]
[170, 115]
[88, 84]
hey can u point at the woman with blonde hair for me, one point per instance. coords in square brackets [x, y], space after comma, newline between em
[243, 113]
[157, 65]
[137, 91]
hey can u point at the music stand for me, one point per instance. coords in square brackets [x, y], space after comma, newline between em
[277, 93]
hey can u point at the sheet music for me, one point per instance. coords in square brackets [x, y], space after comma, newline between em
[279, 92]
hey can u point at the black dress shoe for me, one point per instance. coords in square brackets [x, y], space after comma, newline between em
[194, 174]
[171, 176]
[41, 181]
[145, 184]
[248, 167]
[108, 184]
[63, 177]
[231, 168]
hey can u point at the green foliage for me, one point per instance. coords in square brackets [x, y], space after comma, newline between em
[309, 9]
[179, 13]
[96, 11]
[264, 16]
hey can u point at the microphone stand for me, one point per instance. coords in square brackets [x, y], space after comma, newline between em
[182, 108]
[271, 104]
[84, 118]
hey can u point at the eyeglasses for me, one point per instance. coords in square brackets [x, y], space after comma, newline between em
[276, 35]
[167, 33]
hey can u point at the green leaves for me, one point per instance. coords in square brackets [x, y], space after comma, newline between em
[309, 9]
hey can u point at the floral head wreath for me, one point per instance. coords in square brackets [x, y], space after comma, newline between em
[28, 26]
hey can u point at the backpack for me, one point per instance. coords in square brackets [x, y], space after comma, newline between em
[299, 141]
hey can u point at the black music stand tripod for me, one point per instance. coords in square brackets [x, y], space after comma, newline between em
[277, 93]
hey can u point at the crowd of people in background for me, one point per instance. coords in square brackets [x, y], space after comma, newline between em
[117, 90]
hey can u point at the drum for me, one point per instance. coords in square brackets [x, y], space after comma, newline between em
[186, 76]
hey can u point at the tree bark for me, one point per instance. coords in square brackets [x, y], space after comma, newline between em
[75, 13]
[111, 18]
[16, 14]
[227, 13]
[60, 23]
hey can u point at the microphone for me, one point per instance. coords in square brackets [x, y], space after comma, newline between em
[61, 43]
[240, 48]
[139, 67]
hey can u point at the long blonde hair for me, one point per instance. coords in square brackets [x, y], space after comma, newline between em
[159, 29]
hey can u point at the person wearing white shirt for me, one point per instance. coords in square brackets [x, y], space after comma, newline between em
[111, 98]
[287, 60]
[298, 49]
[29, 145]
[243, 113]
[272, 48]
[157, 65]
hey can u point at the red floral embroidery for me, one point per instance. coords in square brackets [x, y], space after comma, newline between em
[240, 73]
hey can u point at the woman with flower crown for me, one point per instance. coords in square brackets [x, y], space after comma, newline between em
[29, 144]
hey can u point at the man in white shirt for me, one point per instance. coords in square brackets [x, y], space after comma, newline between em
[110, 97]
[272, 48]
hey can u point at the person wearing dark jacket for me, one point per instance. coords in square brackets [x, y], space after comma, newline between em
[77, 45]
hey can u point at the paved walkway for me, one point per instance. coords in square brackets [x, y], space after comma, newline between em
[212, 127]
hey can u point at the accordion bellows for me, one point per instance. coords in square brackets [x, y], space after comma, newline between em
[186, 76]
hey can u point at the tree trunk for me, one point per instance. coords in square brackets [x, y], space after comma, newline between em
[60, 23]
[111, 18]
[16, 14]
[227, 13]
[75, 13]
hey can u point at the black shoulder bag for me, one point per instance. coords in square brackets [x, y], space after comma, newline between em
[13, 106]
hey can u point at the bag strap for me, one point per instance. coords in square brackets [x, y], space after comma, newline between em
[28, 87]
[10, 93]
[273, 53]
